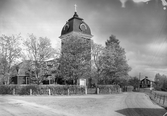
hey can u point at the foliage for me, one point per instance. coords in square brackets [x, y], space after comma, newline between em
[122, 81]
[109, 62]
[128, 88]
[120, 67]
[160, 82]
[134, 81]
[105, 89]
[97, 64]
[75, 58]
[10, 51]
[54, 89]
[38, 51]
[41, 89]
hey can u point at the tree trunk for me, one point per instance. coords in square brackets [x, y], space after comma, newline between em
[75, 81]
[56, 80]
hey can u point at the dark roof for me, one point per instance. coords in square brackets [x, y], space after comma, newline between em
[146, 79]
[23, 68]
[27, 64]
[76, 24]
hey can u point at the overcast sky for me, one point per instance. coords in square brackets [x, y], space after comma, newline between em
[141, 27]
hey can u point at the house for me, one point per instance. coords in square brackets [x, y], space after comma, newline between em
[146, 83]
[20, 73]
[24, 73]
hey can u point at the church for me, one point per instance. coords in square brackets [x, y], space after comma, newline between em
[75, 53]
[76, 49]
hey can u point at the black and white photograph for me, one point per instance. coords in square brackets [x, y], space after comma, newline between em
[83, 57]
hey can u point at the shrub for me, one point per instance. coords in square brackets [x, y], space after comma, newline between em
[41, 89]
[76, 89]
[55, 89]
[5, 89]
[128, 88]
[58, 89]
[106, 89]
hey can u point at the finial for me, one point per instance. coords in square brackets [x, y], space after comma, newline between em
[75, 7]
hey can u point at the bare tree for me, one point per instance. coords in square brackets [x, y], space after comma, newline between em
[10, 51]
[38, 50]
[97, 53]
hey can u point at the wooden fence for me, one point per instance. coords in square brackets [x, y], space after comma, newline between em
[158, 98]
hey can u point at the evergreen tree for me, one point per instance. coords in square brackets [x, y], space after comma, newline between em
[115, 58]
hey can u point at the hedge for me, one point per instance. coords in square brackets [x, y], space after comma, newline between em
[108, 89]
[54, 89]
[128, 88]
[41, 89]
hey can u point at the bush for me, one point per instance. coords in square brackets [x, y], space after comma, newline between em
[6, 89]
[58, 89]
[106, 89]
[55, 89]
[41, 89]
[76, 89]
[128, 88]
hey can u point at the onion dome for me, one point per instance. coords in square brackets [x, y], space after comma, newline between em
[76, 24]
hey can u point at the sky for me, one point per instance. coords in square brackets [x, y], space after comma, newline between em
[140, 25]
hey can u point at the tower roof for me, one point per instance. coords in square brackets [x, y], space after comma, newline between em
[76, 24]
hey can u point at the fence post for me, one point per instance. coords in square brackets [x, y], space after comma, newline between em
[49, 91]
[30, 91]
[155, 96]
[120, 90]
[14, 92]
[164, 99]
[68, 91]
[86, 90]
[159, 98]
[97, 90]
[109, 90]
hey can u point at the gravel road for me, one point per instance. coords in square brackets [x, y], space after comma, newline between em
[126, 104]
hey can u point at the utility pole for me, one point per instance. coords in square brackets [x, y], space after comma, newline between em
[139, 81]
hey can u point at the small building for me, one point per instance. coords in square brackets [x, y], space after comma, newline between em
[20, 73]
[23, 73]
[146, 83]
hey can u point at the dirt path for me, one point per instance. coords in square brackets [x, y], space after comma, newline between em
[126, 104]
[138, 104]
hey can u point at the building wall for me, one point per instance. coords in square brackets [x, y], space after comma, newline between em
[145, 83]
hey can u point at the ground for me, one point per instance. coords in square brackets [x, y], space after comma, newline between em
[125, 104]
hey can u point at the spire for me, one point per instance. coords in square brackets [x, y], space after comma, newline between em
[75, 7]
[75, 13]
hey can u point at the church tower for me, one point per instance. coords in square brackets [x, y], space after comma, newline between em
[76, 26]
[76, 49]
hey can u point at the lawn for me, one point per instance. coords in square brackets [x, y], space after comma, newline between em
[87, 105]
[161, 92]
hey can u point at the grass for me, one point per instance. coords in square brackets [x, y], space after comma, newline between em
[161, 92]
[87, 105]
